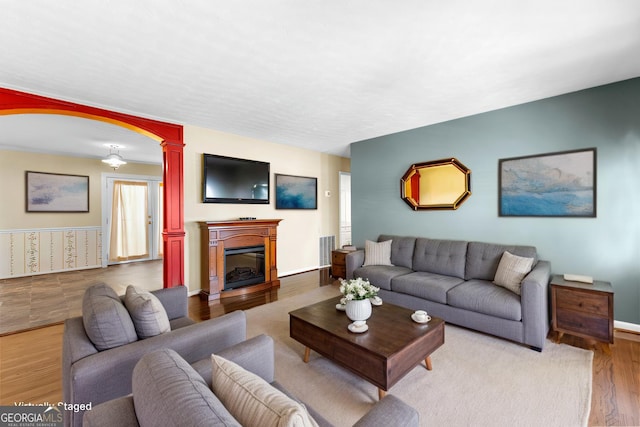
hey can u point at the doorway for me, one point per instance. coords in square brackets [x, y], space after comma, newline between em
[345, 209]
[132, 218]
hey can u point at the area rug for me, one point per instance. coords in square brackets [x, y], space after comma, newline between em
[477, 380]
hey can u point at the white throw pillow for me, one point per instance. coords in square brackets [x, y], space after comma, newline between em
[511, 271]
[253, 401]
[147, 312]
[377, 253]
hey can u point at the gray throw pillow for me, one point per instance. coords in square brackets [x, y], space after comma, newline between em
[147, 312]
[106, 320]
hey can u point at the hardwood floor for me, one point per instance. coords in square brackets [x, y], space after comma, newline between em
[615, 400]
[30, 361]
[35, 301]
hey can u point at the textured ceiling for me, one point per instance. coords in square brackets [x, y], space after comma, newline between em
[315, 74]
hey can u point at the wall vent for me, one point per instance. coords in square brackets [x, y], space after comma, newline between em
[327, 244]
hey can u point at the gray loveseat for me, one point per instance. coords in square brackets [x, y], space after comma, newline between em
[93, 376]
[169, 392]
[453, 280]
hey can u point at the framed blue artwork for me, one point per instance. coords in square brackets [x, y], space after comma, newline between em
[561, 184]
[56, 192]
[296, 192]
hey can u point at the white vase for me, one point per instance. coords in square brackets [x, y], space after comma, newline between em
[359, 311]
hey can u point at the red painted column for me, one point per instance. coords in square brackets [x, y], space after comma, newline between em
[173, 227]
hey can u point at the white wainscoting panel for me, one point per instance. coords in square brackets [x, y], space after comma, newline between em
[49, 250]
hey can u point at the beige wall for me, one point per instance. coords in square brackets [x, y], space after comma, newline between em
[13, 165]
[299, 231]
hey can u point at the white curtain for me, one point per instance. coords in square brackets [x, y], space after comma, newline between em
[129, 221]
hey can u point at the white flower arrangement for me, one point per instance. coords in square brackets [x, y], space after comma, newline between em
[356, 289]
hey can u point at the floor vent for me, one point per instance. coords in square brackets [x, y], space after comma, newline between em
[327, 244]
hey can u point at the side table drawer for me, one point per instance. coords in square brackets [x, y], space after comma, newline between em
[338, 258]
[595, 304]
[583, 324]
[338, 271]
[339, 264]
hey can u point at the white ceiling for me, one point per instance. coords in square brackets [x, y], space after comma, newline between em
[75, 136]
[318, 74]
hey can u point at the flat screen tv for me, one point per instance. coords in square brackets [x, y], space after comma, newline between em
[232, 180]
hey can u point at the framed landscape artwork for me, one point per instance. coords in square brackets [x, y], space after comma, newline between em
[296, 192]
[559, 184]
[54, 192]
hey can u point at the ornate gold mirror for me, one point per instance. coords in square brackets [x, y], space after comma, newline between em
[438, 184]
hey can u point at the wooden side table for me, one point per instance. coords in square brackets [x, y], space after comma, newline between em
[582, 309]
[339, 263]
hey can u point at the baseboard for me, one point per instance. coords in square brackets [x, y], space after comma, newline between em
[300, 270]
[625, 326]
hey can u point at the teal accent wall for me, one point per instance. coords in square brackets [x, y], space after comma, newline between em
[606, 247]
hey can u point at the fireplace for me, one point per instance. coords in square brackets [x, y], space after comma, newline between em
[243, 266]
[238, 257]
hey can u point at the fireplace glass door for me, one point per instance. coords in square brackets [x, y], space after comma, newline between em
[243, 266]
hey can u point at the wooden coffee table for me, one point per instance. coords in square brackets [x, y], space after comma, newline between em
[393, 345]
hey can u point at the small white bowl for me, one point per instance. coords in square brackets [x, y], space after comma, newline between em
[376, 300]
[357, 330]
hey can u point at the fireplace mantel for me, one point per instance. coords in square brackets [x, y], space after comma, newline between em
[216, 236]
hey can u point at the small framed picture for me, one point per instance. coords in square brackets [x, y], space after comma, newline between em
[55, 192]
[296, 192]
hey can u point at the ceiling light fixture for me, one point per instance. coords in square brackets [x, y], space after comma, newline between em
[114, 159]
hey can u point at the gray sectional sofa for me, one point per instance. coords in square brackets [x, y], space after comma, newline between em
[453, 280]
[167, 391]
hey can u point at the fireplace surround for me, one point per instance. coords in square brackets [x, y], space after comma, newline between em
[233, 253]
